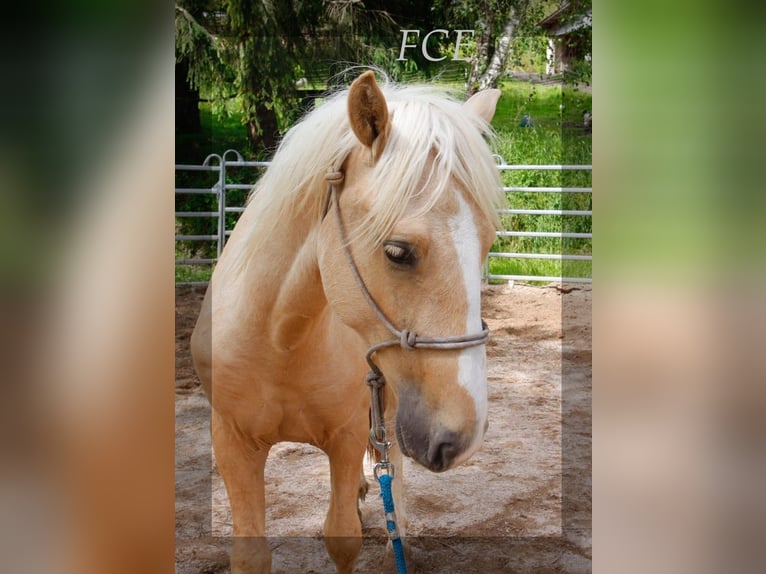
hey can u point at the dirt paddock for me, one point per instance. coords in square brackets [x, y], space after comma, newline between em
[521, 504]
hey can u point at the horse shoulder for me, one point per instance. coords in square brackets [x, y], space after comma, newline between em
[300, 300]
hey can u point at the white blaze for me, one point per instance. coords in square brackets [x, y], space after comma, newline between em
[472, 363]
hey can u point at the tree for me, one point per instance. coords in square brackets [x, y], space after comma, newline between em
[271, 40]
[245, 48]
[258, 50]
[358, 32]
[497, 62]
[497, 24]
[201, 60]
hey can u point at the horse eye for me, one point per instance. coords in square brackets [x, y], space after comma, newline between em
[400, 253]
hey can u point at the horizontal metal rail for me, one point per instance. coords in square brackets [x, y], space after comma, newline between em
[552, 256]
[543, 167]
[196, 237]
[527, 189]
[543, 212]
[193, 167]
[543, 278]
[556, 234]
[197, 214]
[248, 163]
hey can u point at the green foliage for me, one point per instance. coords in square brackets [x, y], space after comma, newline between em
[271, 40]
[207, 55]
[528, 54]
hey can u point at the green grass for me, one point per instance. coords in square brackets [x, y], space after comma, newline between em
[540, 268]
[556, 137]
[192, 273]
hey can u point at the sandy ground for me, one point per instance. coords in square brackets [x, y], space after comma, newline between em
[521, 504]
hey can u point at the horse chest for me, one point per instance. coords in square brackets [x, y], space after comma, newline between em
[303, 405]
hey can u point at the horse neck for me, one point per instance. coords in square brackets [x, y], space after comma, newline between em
[287, 285]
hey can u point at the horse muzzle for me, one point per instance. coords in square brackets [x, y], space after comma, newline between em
[429, 441]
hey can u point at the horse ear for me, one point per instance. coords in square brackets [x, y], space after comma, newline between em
[368, 112]
[484, 103]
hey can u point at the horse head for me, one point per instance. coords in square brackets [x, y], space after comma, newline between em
[416, 214]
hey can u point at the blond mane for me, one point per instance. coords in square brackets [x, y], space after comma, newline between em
[432, 136]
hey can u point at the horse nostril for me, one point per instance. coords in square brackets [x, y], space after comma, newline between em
[444, 450]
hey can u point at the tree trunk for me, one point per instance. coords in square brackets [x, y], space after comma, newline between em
[261, 121]
[187, 102]
[499, 59]
[269, 130]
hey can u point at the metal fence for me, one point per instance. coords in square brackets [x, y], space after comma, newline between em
[502, 166]
[221, 165]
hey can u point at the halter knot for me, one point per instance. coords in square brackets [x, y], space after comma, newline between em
[375, 379]
[407, 339]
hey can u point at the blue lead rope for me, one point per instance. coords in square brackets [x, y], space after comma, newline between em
[393, 532]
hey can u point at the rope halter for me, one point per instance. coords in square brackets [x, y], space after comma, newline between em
[403, 338]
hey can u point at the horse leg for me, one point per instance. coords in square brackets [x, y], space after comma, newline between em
[395, 455]
[343, 527]
[241, 463]
[364, 486]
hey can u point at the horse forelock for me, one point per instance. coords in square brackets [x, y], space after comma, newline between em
[434, 143]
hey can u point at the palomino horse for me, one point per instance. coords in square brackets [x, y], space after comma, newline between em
[280, 344]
